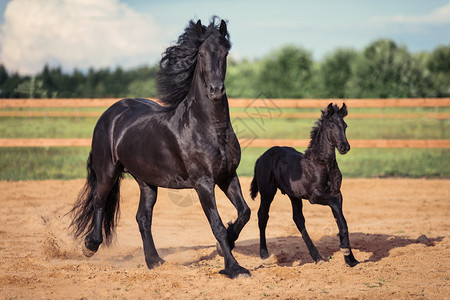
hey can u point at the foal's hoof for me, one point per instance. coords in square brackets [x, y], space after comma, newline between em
[154, 262]
[320, 262]
[219, 249]
[86, 251]
[236, 272]
[351, 260]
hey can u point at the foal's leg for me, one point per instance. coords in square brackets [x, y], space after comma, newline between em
[205, 191]
[267, 193]
[144, 218]
[335, 202]
[232, 188]
[299, 220]
[336, 208]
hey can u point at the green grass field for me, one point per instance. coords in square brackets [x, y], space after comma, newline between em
[66, 163]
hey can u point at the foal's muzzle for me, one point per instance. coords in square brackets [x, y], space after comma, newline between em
[343, 147]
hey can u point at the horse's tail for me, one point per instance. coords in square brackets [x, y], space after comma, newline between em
[254, 185]
[83, 210]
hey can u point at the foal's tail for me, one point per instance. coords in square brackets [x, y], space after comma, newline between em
[83, 210]
[254, 185]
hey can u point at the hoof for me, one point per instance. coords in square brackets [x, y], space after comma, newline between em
[351, 260]
[236, 272]
[219, 249]
[87, 252]
[318, 259]
[320, 262]
[154, 262]
[263, 253]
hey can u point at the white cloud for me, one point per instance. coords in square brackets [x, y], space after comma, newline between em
[438, 16]
[77, 33]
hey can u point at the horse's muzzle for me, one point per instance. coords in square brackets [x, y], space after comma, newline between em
[216, 91]
[344, 147]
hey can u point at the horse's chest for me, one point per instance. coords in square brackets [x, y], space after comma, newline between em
[229, 152]
[325, 180]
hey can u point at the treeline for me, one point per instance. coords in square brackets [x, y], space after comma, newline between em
[382, 70]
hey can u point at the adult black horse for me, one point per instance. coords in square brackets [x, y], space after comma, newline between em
[314, 176]
[187, 143]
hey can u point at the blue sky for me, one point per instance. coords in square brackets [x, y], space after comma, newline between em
[128, 33]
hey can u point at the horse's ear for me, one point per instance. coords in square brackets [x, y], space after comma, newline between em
[199, 28]
[223, 28]
[329, 110]
[343, 111]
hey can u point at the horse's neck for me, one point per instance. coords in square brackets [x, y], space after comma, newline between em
[321, 150]
[214, 113]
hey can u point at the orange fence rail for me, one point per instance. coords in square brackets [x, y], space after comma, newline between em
[273, 103]
[253, 143]
[93, 114]
[266, 103]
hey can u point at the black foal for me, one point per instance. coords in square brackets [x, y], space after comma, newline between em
[314, 176]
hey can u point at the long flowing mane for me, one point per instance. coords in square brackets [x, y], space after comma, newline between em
[316, 128]
[178, 62]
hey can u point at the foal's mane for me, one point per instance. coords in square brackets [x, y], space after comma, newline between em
[318, 125]
[178, 62]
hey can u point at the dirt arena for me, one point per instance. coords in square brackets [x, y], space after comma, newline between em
[399, 230]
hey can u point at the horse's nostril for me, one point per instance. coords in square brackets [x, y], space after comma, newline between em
[216, 90]
[345, 147]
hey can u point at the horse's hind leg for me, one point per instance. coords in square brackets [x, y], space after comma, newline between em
[232, 189]
[267, 192]
[299, 220]
[105, 206]
[144, 218]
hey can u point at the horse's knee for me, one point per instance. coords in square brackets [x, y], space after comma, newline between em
[246, 214]
[222, 234]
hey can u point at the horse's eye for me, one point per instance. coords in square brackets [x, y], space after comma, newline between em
[202, 54]
[331, 125]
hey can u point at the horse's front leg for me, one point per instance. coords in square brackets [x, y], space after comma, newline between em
[335, 202]
[232, 189]
[205, 191]
[336, 208]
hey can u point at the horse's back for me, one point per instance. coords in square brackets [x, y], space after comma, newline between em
[278, 160]
[281, 154]
[142, 105]
[120, 116]
[279, 165]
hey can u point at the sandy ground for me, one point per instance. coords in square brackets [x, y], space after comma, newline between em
[387, 219]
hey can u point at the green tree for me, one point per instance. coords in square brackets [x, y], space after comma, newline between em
[286, 73]
[385, 70]
[439, 65]
[335, 72]
[241, 78]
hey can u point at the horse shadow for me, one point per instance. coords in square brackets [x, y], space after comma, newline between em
[291, 249]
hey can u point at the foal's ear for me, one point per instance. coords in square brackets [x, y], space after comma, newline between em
[199, 28]
[343, 111]
[223, 28]
[329, 110]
